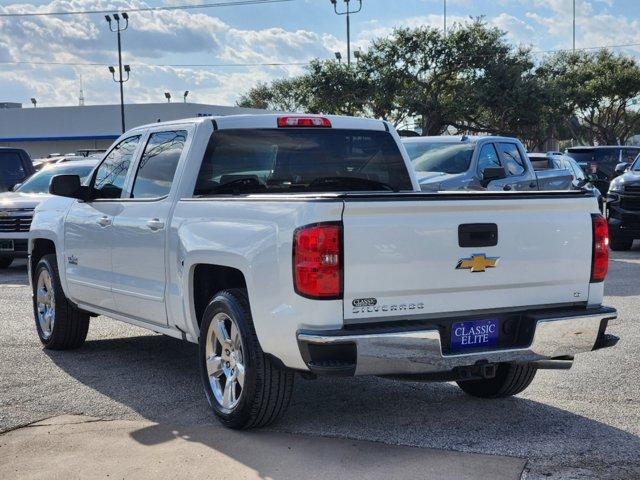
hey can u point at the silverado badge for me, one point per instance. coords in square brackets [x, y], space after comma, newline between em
[478, 262]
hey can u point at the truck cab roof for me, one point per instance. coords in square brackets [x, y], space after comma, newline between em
[271, 121]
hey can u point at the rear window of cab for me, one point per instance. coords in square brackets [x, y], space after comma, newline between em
[301, 160]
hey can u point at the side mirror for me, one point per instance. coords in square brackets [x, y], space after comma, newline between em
[591, 177]
[15, 187]
[492, 173]
[67, 186]
[621, 168]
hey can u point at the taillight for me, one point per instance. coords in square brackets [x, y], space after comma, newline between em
[600, 259]
[308, 122]
[317, 261]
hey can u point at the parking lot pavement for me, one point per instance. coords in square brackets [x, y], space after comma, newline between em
[581, 423]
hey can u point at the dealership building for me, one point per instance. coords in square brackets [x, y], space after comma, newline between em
[42, 131]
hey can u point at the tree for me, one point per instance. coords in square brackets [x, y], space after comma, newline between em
[597, 89]
[285, 95]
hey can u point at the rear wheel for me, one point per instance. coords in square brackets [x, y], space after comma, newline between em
[5, 262]
[618, 242]
[510, 379]
[244, 387]
[60, 325]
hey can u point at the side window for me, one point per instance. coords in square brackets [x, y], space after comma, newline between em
[11, 168]
[488, 158]
[511, 159]
[111, 173]
[158, 164]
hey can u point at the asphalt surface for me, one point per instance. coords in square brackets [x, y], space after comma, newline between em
[576, 424]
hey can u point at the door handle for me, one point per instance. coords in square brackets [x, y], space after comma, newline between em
[506, 188]
[155, 224]
[532, 185]
[104, 221]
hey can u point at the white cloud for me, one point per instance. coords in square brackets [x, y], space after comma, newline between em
[162, 37]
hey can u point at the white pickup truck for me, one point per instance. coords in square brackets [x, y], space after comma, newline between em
[288, 244]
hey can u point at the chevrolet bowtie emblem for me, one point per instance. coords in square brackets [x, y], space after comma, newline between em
[478, 262]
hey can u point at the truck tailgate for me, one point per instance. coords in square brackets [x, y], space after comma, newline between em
[401, 254]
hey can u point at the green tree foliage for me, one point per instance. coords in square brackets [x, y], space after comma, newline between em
[596, 90]
[473, 80]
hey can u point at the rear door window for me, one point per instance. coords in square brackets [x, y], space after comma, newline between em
[301, 160]
[158, 164]
[511, 159]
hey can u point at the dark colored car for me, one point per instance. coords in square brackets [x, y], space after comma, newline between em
[15, 167]
[623, 208]
[602, 161]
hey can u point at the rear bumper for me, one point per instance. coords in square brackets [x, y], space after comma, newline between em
[420, 351]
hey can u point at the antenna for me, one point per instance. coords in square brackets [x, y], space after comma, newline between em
[81, 98]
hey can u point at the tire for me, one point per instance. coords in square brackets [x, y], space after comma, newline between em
[5, 262]
[510, 379]
[67, 328]
[619, 243]
[265, 390]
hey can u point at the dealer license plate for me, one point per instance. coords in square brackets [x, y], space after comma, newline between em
[474, 334]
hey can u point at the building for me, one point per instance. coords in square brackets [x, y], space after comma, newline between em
[41, 131]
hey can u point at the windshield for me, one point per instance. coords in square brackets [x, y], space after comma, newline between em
[39, 182]
[301, 160]
[446, 157]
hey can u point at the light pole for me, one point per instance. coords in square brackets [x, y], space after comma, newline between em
[338, 57]
[445, 18]
[347, 11]
[120, 80]
[167, 95]
[35, 102]
[185, 96]
[574, 25]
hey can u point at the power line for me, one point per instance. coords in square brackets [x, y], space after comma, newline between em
[233, 3]
[158, 65]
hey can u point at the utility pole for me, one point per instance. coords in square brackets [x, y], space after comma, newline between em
[118, 29]
[574, 25]
[348, 12]
[445, 18]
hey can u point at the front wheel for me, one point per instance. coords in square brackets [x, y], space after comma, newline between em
[244, 387]
[60, 324]
[510, 379]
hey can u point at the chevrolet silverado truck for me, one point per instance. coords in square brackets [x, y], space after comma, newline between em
[479, 163]
[284, 244]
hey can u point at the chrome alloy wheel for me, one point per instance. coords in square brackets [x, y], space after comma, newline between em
[46, 303]
[224, 360]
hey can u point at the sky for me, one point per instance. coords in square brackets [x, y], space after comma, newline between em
[231, 37]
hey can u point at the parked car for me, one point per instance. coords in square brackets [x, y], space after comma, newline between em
[602, 161]
[40, 163]
[623, 208]
[303, 243]
[16, 207]
[15, 167]
[560, 161]
[478, 163]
